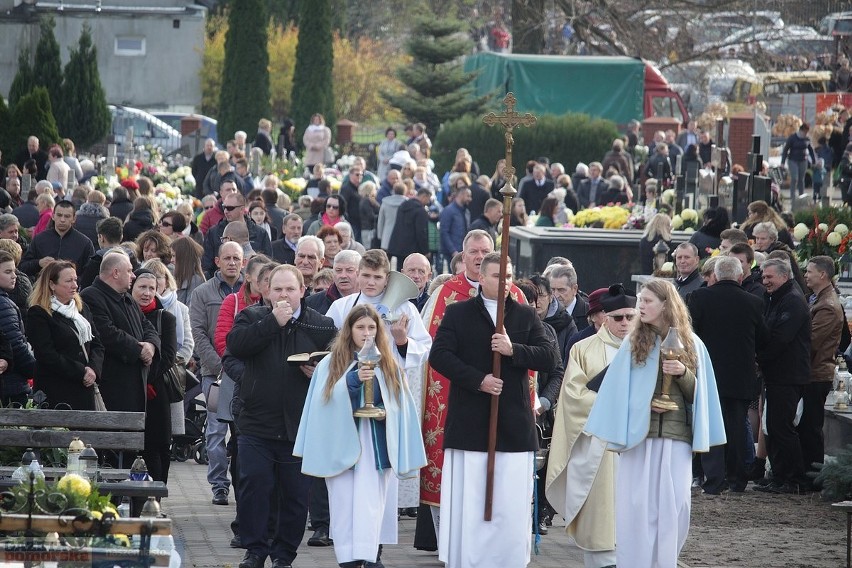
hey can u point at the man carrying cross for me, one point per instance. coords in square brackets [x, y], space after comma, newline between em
[463, 353]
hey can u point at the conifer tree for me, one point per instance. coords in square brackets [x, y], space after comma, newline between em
[244, 98]
[84, 116]
[313, 89]
[5, 130]
[47, 68]
[24, 80]
[33, 116]
[436, 84]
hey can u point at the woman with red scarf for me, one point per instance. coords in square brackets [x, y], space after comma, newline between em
[158, 424]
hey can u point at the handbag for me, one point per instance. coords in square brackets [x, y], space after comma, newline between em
[175, 382]
[175, 378]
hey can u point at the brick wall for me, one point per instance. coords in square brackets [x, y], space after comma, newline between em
[740, 130]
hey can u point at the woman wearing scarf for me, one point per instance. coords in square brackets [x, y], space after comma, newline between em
[167, 294]
[68, 352]
[158, 423]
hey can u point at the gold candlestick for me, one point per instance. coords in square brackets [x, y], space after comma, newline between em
[368, 358]
[671, 349]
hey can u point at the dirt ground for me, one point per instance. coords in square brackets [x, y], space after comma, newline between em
[758, 530]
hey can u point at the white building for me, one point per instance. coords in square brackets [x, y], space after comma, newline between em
[149, 51]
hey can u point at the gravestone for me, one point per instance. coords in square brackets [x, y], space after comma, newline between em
[601, 256]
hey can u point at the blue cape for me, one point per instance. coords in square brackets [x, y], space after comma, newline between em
[621, 414]
[328, 439]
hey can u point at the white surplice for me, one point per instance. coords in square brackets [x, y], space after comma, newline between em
[465, 539]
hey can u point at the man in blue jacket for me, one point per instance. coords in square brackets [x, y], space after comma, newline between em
[455, 220]
[797, 151]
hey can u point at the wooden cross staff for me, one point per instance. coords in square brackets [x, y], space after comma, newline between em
[509, 121]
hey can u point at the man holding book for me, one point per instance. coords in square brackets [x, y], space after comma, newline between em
[263, 337]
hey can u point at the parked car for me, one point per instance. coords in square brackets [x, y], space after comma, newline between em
[147, 129]
[208, 125]
[706, 81]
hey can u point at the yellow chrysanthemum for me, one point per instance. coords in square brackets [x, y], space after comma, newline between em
[73, 483]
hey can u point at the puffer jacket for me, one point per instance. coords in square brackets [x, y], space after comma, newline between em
[14, 380]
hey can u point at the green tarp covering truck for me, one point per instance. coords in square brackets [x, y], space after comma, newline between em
[615, 88]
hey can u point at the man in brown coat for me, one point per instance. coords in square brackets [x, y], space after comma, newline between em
[826, 321]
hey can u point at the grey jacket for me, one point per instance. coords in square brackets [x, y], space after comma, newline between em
[387, 218]
[203, 314]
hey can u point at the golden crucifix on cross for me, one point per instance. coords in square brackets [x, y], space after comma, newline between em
[509, 121]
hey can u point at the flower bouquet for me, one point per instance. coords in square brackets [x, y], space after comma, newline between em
[609, 217]
[831, 240]
[687, 221]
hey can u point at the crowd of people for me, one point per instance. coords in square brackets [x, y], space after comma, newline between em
[279, 300]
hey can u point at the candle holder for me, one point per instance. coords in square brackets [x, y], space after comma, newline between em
[671, 349]
[369, 357]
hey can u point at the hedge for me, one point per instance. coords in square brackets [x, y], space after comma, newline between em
[567, 139]
[827, 215]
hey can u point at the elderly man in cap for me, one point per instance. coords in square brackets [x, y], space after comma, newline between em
[587, 501]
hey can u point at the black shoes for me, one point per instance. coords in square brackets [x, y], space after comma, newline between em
[236, 542]
[252, 561]
[778, 488]
[542, 527]
[278, 563]
[320, 538]
[220, 497]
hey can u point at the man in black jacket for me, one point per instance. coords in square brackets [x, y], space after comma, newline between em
[349, 193]
[109, 236]
[730, 322]
[533, 191]
[345, 269]
[59, 242]
[786, 366]
[234, 210]
[284, 249]
[130, 342]
[462, 351]
[204, 161]
[490, 217]
[273, 394]
[411, 229]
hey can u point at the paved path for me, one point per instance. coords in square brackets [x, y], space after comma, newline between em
[202, 532]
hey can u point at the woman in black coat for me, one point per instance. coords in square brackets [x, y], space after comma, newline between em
[69, 354]
[158, 423]
[141, 219]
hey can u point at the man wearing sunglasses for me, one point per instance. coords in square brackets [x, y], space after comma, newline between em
[233, 209]
[588, 505]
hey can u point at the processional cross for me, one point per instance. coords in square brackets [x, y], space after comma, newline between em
[509, 121]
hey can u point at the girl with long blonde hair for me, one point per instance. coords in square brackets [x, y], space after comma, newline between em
[357, 455]
[654, 477]
[349, 341]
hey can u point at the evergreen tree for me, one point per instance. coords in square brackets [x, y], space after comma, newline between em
[436, 84]
[313, 88]
[244, 98]
[5, 130]
[84, 116]
[47, 68]
[33, 116]
[24, 80]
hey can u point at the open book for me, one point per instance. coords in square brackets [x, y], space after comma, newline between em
[306, 358]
